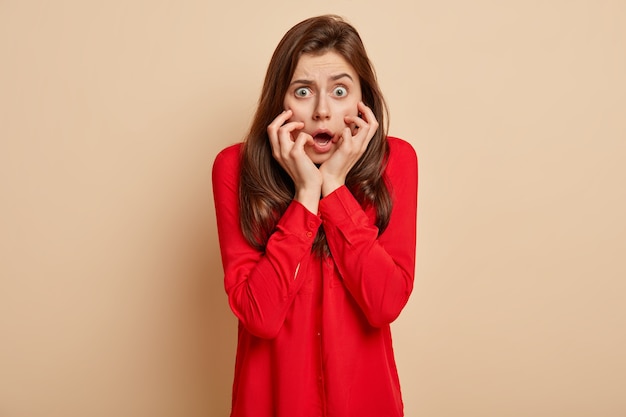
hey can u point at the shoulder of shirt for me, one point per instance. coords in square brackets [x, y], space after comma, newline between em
[229, 155]
[399, 149]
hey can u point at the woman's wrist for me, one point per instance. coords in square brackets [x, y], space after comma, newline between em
[330, 184]
[309, 198]
[329, 187]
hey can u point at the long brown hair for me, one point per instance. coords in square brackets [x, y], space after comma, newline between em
[265, 189]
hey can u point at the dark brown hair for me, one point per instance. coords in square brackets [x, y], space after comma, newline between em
[265, 189]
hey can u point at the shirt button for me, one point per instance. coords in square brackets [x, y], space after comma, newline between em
[309, 234]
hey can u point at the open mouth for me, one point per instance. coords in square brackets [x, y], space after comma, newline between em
[322, 138]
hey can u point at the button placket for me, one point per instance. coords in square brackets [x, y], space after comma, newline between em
[311, 226]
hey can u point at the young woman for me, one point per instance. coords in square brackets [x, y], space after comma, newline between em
[316, 215]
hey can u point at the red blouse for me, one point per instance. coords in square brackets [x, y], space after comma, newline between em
[314, 336]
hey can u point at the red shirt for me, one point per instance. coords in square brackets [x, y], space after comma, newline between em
[314, 336]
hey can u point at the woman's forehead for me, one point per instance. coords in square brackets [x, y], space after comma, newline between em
[325, 64]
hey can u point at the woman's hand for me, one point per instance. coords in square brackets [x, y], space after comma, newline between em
[289, 152]
[350, 149]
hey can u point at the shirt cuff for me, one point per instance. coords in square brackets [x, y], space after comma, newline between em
[339, 205]
[297, 220]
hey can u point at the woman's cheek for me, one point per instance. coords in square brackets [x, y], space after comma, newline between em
[297, 113]
[353, 110]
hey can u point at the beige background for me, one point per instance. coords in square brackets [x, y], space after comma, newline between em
[111, 300]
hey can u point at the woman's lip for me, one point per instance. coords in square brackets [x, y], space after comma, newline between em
[322, 131]
[322, 146]
[325, 143]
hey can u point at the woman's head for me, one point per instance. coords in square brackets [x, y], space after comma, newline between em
[311, 38]
[315, 51]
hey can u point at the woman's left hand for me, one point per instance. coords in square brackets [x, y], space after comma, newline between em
[349, 149]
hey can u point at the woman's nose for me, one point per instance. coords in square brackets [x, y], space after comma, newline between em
[321, 109]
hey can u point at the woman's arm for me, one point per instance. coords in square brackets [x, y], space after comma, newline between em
[260, 285]
[377, 270]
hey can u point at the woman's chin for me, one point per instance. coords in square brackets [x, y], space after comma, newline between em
[319, 158]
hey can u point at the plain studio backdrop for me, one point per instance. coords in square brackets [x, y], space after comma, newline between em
[111, 113]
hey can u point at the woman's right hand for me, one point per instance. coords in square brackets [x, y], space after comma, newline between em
[289, 152]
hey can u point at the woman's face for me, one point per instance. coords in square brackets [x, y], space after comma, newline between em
[323, 90]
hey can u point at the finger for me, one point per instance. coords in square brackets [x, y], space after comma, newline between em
[280, 131]
[345, 141]
[345, 136]
[279, 121]
[285, 137]
[359, 124]
[363, 132]
[367, 114]
[362, 137]
[272, 129]
[301, 140]
[286, 130]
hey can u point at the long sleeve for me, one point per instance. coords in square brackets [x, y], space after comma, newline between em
[260, 285]
[378, 271]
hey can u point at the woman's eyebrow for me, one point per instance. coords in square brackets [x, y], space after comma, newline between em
[302, 81]
[342, 75]
[333, 78]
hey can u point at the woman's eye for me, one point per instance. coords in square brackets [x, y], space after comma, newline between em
[302, 92]
[340, 91]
